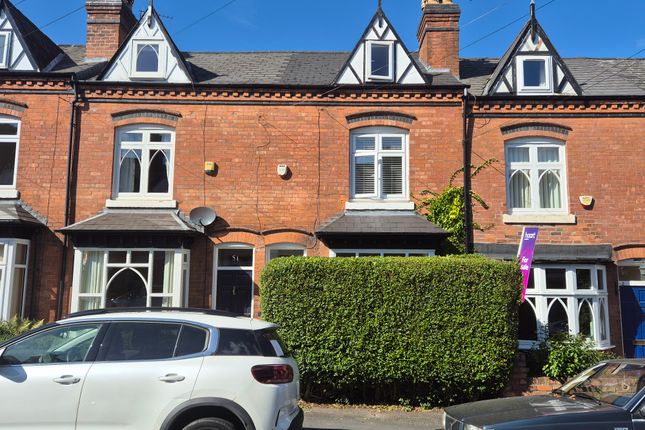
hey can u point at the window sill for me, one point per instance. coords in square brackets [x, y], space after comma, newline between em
[539, 219]
[379, 205]
[141, 203]
[8, 194]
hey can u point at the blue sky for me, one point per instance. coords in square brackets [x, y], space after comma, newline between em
[578, 28]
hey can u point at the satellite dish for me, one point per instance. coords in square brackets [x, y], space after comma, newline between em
[203, 216]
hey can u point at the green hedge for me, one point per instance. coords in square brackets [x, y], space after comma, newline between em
[430, 331]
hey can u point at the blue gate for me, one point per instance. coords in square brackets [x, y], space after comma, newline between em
[633, 315]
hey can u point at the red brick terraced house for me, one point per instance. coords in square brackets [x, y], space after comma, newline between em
[107, 149]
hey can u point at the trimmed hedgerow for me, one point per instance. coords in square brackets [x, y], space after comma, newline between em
[430, 331]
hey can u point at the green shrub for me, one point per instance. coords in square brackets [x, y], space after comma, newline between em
[568, 355]
[431, 331]
[15, 327]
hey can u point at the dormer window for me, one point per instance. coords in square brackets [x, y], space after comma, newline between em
[535, 75]
[5, 41]
[380, 61]
[148, 61]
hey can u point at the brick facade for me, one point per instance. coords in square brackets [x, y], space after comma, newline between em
[248, 130]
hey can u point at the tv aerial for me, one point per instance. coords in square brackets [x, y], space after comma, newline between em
[203, 216]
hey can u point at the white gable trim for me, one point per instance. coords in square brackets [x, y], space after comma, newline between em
[149, 31]
[401, 70]
[508, 77]
[16, 57]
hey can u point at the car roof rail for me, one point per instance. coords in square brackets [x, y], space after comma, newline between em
[146, 309]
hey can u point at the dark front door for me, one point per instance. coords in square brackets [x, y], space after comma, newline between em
[633, 310]
[235, 291]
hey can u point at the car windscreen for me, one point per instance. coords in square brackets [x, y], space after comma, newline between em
[615, 383]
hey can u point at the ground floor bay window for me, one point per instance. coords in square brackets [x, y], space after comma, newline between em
[115, 278]
[566, 299]
[14, 255]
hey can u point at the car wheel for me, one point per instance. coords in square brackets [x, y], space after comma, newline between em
[210, 424]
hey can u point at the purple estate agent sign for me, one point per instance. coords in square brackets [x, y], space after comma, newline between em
[525, 255]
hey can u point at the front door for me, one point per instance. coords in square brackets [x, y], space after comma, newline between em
[234, 291]
[41, 377]
[633, 314]
[234, 281]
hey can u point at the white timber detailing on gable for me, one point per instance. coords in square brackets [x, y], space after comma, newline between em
[532, 66]
[380, 57]
[162, 63]
[13, 55]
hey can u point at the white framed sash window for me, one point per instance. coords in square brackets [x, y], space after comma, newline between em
[379, 164]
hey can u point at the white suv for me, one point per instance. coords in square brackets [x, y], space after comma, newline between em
[144, 369]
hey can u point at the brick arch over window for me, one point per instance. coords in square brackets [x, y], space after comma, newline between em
[537, 127]
[382, 117]
[630, 252]
[12, 108]
[134, 116]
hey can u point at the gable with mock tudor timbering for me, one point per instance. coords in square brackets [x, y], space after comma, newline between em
[23, 47]
[380, 57]
[148, 55]
[532, 66]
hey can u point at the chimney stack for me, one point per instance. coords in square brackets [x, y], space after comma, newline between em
[439, 35]
[108, 24]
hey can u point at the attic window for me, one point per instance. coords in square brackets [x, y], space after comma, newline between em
[380, 60]
[148, 61]
[535, 74]
[5, 38]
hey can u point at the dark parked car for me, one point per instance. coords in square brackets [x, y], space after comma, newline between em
[607, 396]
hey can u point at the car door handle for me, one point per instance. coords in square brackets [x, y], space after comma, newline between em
[67, 380]
[172, 378]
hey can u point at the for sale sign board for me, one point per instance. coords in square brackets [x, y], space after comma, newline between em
[525, 255]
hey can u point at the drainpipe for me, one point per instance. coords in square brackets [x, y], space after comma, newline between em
[468, 203]
[70, 166]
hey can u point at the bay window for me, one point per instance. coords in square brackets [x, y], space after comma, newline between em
[565, 299]
[144, 162]
[379, 168]
[14, 256]
[129, 278]
[536, 177]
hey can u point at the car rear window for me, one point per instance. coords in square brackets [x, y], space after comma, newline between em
[271, 344]
[248, 342]
[237, 342]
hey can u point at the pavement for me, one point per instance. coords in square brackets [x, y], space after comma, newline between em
[368, 418]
